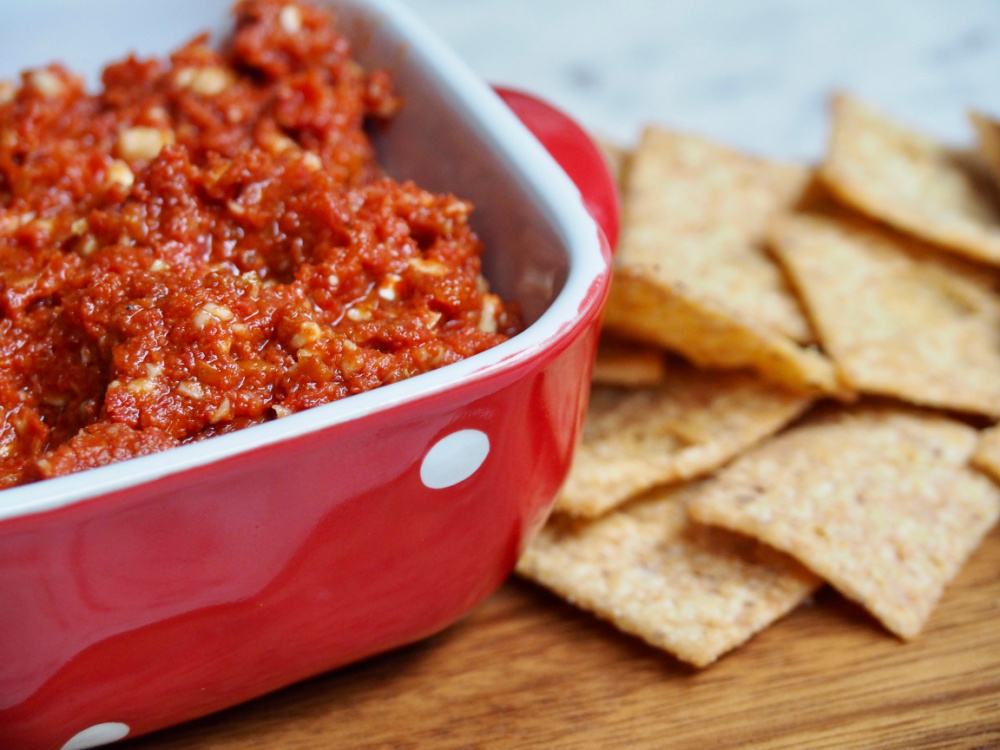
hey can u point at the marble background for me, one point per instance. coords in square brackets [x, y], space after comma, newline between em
[751, 73]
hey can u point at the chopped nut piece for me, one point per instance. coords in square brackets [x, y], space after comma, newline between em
[141, 143]
[352, 362]
[291, 19]
[191, 389]
[430, 267]
[388, 289]
[200, 319]
[224, 267]
[488, 318]
[358, 315]
[307, 334]
[218, 311]
[45, 225]
[250, 278]
[276, 143]
[119, 173]
[157, 112]
[216, 173]
[457, 209]
[87, 246]
[224, 411]
[22, 282]
[47, 83]
[207, 81]
[140, 386]
[312, 162]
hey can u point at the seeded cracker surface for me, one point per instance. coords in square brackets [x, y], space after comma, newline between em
[694, 423]
[912, 182]
[695, 591]
[879, 502]
[898, 317]
[691, 272]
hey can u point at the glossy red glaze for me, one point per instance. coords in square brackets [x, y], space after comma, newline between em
[210, 586]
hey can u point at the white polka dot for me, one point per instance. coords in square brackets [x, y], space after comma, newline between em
[454, 458]
[99, 734]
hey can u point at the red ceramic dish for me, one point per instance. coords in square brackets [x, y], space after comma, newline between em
[163, 588]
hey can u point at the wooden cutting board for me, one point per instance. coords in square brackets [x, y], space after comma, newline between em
[525, 670]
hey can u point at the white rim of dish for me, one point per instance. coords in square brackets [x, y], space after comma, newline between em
[554, 192]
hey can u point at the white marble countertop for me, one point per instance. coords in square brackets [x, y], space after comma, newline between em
[755, 74]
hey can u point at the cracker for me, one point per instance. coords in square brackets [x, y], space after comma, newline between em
[691, 272]
[988, 139]
[697, 213]
[628, 365]
[879, 502]
[987, 454]
[911, 182]
[694, 591]
[898, 317]
[695, 422]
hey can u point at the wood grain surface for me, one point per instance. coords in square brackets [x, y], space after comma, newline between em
[525, 670]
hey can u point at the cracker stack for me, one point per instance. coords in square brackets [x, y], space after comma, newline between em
[799, 387]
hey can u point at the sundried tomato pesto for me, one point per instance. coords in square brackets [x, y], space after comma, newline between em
[208, 243]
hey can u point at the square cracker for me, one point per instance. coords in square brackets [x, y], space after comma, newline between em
[879, 502]
[691, 271]
[897, 316]
[695, 422]
[987, 454]
[694, 591]
[911, 182]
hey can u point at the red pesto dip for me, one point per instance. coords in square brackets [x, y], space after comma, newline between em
[208, 243]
